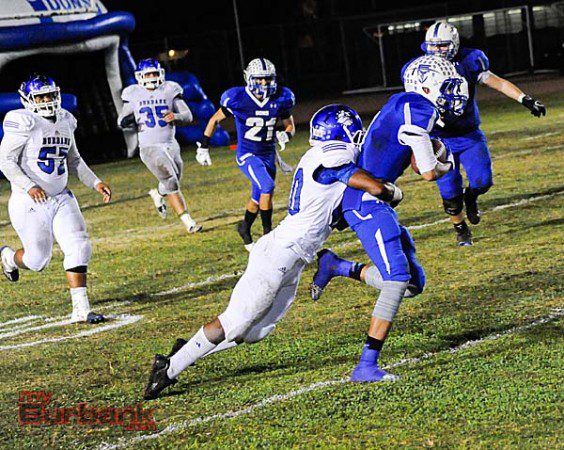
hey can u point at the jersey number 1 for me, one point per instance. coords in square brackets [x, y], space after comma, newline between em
[295, 192]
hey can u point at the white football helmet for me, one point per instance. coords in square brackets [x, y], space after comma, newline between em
[257, 70]
[40, 95]
[441, 39]
[436, 79]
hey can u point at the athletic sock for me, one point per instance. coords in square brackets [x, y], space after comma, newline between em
[460, 227]
[266, 218]
[374, 344]
[250, 218]
[355, 270]
[186, 219]
[80, 303]
[190, 352]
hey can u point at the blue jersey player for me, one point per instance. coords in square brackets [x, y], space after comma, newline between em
[433, 90]
[256, 108]
[462, 134]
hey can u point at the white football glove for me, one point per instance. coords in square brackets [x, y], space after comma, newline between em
[282, 139]
[398, 195]
[203, 155]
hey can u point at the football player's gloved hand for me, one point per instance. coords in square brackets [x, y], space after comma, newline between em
[203, 155]
[282, 138]
[397, 196]
[537, 108]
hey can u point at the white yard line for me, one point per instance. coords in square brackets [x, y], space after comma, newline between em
[536, 136]
[180, 426]
[118, 322]
[210, 280]
[19, 320]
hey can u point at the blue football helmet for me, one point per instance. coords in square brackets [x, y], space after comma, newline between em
[335, 122]
[149, 66]
[260, 69]
[40, 95]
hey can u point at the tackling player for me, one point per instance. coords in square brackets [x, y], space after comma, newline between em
[154, 107]
[462, 134]
[36, 155]
[401, 129]
[267, 289]
[256, 108]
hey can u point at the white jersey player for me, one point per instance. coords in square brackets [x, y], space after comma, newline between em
[37, 154]
[268, 286]
[154, 107]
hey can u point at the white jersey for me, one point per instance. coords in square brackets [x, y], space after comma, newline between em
[311, 204]
[149, 108]
[39, 151]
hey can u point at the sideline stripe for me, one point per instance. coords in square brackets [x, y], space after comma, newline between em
[122, 442]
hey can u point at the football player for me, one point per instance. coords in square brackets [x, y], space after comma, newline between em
[256, 108]
[433, 90]
[462, 134]
[36, 155]
[268, 286]
[154, 107]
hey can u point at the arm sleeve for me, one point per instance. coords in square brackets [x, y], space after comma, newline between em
[182, 114]
[228, 101]
[16, 135]
[418, 139]
[78, 167]
[126, 118]
[330, 175]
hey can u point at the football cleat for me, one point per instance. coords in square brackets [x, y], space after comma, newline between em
[94, 318]
[472, 211]
[158, 380]
[159, 202]
[463, 235]
[12, 273]
[177, 346]
[365, 373]
[327, 263]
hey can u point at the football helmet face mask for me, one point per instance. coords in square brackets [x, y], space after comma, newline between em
[260, 77]
[40, 95]
[436, 79]
[335, 123]
[441, 39]
[149, 73]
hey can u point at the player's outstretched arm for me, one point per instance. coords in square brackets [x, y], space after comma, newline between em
[507, 88]
[385, 191]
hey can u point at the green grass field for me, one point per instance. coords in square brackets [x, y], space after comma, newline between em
[503, 294]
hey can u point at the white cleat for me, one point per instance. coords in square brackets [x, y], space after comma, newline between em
[190, 224]
[11, 271]
[159, 202]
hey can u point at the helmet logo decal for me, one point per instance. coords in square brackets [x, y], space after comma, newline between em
[423, 71]
[344, 118]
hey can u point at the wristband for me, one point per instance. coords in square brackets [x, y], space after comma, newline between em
[205, 141]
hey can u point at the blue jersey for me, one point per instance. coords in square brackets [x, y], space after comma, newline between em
[255, 119]
[470, 63]
[382, 154]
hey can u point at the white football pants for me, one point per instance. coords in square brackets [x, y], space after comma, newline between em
[264, 293]
[39, 224]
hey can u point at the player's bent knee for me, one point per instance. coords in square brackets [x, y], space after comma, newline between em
[453, 206]
[36, 263]
[169, 186]
[80, 254]
[482, 189]
[254, 335]
[389, 300]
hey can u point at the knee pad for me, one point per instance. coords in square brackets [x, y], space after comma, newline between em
[474, 192]
[267, 187]
[256, 335]
[79, 255]
[168, 185]
[36, 262]
[453, 206]
[389, 300]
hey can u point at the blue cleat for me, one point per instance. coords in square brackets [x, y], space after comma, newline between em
[367, 370]
[94, 318]
[329, 265]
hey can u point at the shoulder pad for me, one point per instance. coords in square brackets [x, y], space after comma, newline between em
[335, 154]
[230, 96]
[288, 97]
[67, 115]
[19, 120]
[174, 87]
[128, 92]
